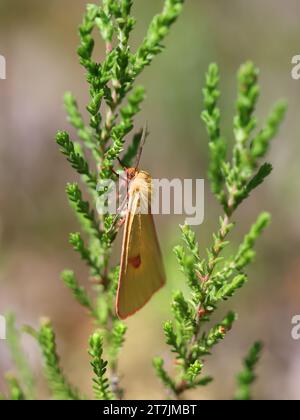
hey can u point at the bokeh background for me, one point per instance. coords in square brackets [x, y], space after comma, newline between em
[39, 41]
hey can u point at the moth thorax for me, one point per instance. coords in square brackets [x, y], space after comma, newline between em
[142, 185]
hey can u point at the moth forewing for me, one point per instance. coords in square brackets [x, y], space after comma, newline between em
[142, 271]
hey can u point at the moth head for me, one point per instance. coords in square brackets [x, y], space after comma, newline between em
[131, 173]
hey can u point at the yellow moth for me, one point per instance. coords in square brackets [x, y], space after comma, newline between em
[142, 271]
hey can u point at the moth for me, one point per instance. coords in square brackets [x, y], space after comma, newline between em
[142, 270]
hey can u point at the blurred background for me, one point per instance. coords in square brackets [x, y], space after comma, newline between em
[39, 41]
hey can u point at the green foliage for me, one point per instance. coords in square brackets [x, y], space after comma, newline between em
[233, 181]
[78, 291]
[246, 378]
[57, 382]
[83, 209]
[20, 361]
[261, 141]
[119, 131]
[158, 364]
[117, 339]
[215, 278]
[76, 120]
[246, 254]
[76, 158]
[217, 145]
[86, 253]
[158, 29]
[101, 383]
[15, 391]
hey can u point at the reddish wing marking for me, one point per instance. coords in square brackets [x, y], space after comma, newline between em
[135, 261]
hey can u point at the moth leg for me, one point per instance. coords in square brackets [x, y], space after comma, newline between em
[119, 220]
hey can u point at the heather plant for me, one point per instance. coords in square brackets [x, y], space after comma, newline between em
[109, 138]
[215, 278]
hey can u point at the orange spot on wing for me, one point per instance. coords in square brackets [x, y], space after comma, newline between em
[135, 261]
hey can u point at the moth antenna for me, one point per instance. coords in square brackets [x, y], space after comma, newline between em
[115, 173]
[121, 163]
[118, 175]
[143, 141]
